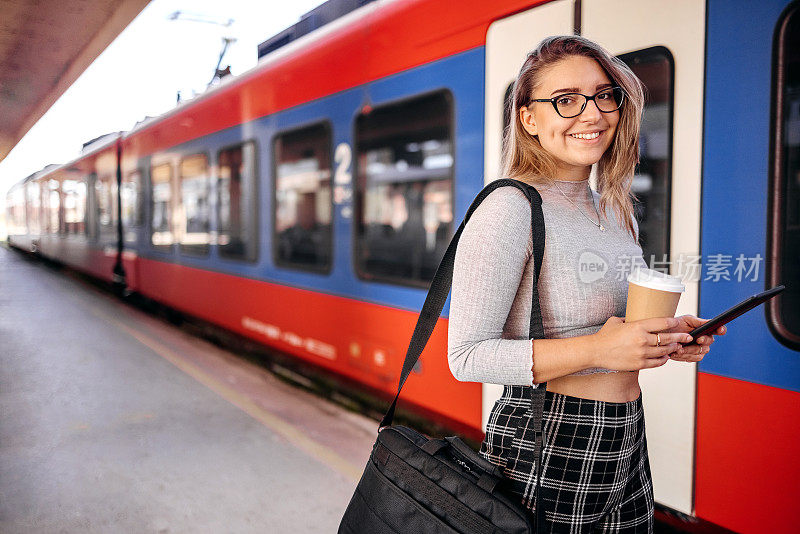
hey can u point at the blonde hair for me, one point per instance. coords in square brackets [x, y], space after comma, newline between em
[523, 156]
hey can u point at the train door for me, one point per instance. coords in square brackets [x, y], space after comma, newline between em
[663, 43]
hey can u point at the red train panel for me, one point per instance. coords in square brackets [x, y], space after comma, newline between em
[741, 475]
[355, 339]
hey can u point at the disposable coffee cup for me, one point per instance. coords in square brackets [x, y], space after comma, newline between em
[652, 294]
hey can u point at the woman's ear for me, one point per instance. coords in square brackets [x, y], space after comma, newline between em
[527, 120]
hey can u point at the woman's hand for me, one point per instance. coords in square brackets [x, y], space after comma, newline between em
[633, 346]
[694, 353]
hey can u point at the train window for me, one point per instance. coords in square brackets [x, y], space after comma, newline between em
[44, 214]
[21, 218]
[652, 181]
[237, 201]
[130, 198]
[303, 201]
[161, 215]
[34, 200]
[404, 193]
[55, 206]
[16, 211]
[80, 208]
[104, 193]
[783, 313]
[193, 210]
[44, 190]
[74, 194]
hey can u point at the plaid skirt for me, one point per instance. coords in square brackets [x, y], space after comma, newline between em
[596, 473]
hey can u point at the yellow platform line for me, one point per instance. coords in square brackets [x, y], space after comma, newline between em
[291, 433]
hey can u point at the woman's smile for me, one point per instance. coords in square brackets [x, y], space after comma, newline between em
[591, 137]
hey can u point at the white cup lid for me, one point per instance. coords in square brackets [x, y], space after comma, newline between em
[656, 280]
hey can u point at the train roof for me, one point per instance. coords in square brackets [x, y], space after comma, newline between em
[44, 170]
[99, 142]
[91, 148]
[296, 46]
[313, 20]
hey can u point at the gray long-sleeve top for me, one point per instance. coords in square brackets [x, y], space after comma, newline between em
[583, 280]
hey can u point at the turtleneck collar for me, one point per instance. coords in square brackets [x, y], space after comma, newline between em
[574, 189]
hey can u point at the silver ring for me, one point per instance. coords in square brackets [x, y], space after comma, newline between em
[658, 340]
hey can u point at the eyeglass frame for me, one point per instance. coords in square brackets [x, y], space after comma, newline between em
[585, 101]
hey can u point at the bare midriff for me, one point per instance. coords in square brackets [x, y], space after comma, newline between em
[607, 387]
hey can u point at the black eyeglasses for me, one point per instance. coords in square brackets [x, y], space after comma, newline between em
[571, 105]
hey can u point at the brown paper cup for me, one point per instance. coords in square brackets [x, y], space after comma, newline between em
[652, 294]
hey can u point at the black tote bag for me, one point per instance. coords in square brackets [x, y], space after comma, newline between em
[413, 483]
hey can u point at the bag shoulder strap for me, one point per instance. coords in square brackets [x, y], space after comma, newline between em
[443, 280]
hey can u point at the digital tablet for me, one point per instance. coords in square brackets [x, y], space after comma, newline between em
[732, 313]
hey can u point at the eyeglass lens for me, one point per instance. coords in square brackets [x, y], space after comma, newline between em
[571, 105]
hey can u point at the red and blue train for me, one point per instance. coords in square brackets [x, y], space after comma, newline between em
[306, 205]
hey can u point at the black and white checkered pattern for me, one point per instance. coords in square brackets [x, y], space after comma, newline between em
[596, 469]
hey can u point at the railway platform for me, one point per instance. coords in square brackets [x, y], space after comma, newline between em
[116, 421]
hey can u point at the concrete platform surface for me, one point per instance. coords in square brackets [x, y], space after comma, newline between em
[113, 421]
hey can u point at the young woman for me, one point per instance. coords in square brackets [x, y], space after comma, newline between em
[574, 106]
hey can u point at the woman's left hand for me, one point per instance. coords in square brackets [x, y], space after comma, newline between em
[694, 352]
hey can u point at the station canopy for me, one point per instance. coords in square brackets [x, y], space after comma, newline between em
[45, 45]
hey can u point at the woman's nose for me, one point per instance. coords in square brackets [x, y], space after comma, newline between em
[591, 111]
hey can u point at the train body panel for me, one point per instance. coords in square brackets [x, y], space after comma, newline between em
[749, 391]
[746, 455]
[736, 175]
[361, 341]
